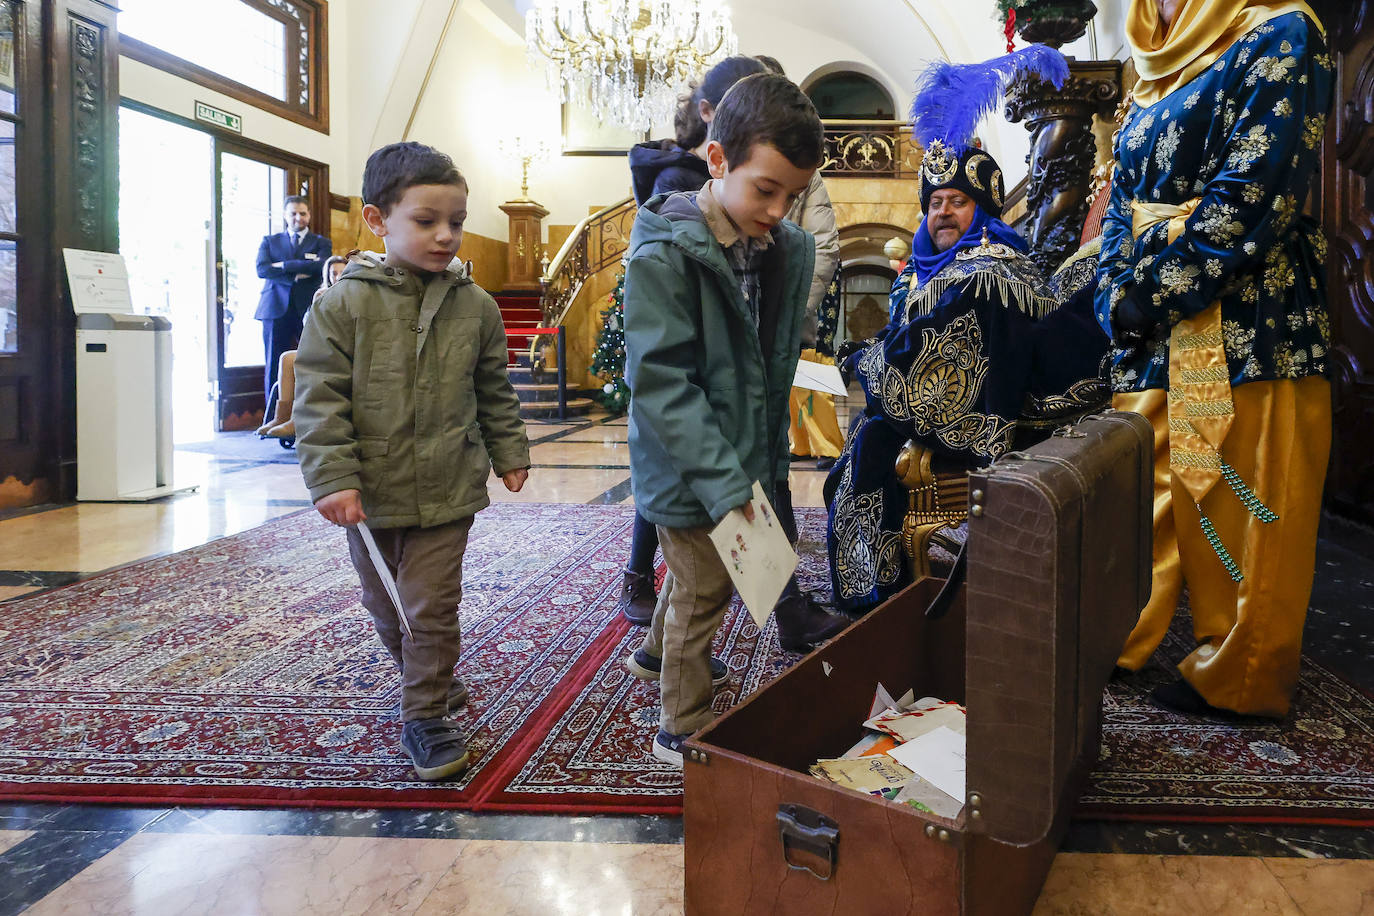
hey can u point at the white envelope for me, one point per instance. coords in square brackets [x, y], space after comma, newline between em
[819, 377]
[937, 757]
[757, 555]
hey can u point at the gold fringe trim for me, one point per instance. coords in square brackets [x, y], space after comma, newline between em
[1020, 295]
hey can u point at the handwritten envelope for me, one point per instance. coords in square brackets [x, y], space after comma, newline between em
[756, 554]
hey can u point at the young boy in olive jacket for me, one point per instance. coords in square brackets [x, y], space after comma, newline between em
[715, 292]
[403, 407]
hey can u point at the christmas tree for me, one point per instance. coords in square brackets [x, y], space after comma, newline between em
[608, 361]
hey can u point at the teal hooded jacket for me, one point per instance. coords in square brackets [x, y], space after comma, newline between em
[708, 392]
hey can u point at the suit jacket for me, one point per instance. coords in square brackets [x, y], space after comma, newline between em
[283, 292]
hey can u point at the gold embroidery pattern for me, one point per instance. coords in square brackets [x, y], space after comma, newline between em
[865, 554]
[1180, 425]
[997, 187]
[938, 393]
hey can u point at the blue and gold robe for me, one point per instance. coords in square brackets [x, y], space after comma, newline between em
[1240, 143]
[984, 343]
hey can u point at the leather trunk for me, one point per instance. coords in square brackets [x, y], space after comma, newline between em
[1058, 570]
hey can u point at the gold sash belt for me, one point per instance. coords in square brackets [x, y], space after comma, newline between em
[1200, 407]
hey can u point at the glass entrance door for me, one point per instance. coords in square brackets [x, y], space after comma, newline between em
[252, 185]
[166, 209]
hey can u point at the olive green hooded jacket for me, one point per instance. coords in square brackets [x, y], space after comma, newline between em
[402, 393]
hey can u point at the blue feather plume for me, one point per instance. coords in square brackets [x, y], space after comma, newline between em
[952, 99]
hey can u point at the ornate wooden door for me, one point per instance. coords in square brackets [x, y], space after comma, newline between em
[1346, 208]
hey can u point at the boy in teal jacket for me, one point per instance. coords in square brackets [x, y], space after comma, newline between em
[715, 291]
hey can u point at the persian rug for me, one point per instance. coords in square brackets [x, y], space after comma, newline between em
[245, 672]
[1315, 766]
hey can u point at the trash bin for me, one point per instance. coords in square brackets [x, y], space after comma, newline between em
[123, 407]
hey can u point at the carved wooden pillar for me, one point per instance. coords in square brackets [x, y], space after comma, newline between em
[1346, 208]
[1063, 152]
[526, 243]
[85, 67]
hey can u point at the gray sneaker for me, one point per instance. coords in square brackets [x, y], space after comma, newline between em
[457, 695]
[436, 748]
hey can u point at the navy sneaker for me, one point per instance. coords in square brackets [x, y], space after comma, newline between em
[648, 667]
[668, 748]
[436, 748]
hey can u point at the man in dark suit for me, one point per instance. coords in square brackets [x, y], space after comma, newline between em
[292, 263]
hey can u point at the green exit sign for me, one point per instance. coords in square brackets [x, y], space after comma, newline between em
[211, 115]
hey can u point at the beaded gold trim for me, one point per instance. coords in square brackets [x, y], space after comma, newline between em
[1205, 461]
[1196, 341]
[1209, 374]
[1210, 408]
[1179, 425]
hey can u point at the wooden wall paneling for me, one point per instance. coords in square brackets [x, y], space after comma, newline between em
[1346, 207]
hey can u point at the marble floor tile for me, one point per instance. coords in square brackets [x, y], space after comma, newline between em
[1116, 885]
[559, 485]
[95, 536]
[11, 838]
[561, 451]
[602, 435]
[496, 878]
[1325, 886]
[193, 874]
[806, 485]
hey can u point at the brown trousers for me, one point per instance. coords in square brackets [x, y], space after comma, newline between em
[692, 604]
[427, 564]
[1249, 633]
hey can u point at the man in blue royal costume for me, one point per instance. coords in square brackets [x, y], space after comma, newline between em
[976, 336]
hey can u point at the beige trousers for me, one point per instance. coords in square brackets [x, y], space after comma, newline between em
[692, 604]
[427, 564]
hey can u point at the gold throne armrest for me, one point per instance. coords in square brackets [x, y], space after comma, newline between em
[935, 500]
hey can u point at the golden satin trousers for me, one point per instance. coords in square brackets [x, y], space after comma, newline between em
[1249, 633]
[815, 430]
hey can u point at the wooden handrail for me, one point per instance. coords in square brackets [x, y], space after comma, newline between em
[597, 241]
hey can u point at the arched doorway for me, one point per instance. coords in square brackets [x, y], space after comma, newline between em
[866, 278]
[848, 95]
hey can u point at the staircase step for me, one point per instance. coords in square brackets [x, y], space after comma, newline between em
[577, 407]
[521, 314]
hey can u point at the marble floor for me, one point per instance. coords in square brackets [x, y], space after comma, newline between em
[150, 860]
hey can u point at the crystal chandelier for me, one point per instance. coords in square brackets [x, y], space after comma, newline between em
[628, 58]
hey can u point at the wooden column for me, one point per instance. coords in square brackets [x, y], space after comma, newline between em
[67, 56]
[1063, 153]
[526, 243]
